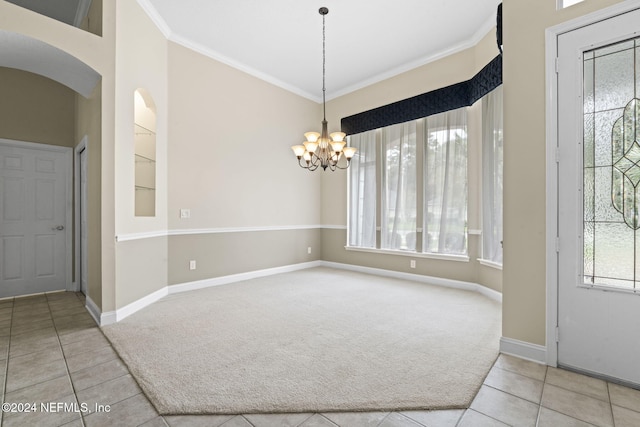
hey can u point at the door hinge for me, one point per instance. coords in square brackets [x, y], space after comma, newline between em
[558, 244]
[557, 334]
[557, 62]
[557, 154]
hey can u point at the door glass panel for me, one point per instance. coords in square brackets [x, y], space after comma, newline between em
[611, 166]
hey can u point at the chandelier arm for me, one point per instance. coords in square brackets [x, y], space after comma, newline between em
[304, 166]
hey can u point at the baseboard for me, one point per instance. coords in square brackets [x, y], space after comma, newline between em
[223, 280]
[110, 317]
[93, 310]
[101, 318]
[523, 350]
[438, 281]
[143, 302]
[119, 314]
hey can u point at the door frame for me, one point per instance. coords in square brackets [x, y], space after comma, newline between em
[70, 285]
[552, 178]
[80, 252]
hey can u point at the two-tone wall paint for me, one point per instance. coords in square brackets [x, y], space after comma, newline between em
[224, 138]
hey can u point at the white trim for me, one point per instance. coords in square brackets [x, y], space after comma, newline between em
[474, 232]
[141, 236]
[471, 42]
[117, 315]
[524, 350]
[489, 263]
[143, 302]
[208, 52]
[333, 227]
[551, 41]
[187, 231]
[224, 280]
[94, 311]
[413, 254]
[108, 318]
[155, 17]
[437, 281]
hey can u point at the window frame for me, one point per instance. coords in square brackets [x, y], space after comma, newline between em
[420, 181]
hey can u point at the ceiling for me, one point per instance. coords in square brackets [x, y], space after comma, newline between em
[367, 40]
[280, 41]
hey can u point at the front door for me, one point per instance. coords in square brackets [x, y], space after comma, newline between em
[599, 198]
[34, 202]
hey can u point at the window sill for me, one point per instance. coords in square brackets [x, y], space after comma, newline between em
[442, 257]
[491, 264]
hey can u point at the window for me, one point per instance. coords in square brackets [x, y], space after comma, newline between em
[399, 187]
[362, 191]
[492, 176]
[418, 184]
[445, 188]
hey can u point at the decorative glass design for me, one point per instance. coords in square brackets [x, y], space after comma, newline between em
[626, 170]
[611, 166]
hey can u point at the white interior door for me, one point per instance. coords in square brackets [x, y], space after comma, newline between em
[599, 198]
[34, 220]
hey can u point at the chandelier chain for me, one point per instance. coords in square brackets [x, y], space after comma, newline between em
[321, 149]
[324, 61]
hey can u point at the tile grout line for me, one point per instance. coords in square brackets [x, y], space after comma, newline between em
[544, 383]
[305, 420]
[66, 366]
[6, 368]
[613, 419]
[382, 420]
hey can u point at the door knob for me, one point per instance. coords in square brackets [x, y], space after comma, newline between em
[59, 227]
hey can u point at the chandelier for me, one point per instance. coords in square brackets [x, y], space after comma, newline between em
[322, 150]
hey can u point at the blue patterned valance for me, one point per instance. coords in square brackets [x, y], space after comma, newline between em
[459, 95]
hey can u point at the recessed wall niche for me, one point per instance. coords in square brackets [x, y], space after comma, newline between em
[145, 153]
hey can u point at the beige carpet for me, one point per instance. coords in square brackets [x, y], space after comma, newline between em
[313, 340]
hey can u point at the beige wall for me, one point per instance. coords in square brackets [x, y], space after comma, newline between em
[446, 71]
[524, 286]
[35, 109]
[141, 62]
[93, 21]
[230, 158]
[231, 165]
[99, 54]
[141, 269]
[222, 254]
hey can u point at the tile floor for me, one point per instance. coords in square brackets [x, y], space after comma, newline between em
[52, 353]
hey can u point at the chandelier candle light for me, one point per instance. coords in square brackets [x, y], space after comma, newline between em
[321, 149]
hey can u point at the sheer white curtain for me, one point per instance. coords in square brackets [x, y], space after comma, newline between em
[445, 183]
[362, 191]
[492, 176]
[398, 217]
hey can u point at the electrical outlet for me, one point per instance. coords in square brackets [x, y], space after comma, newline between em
[309, 250]
[192, 264]
[185, 213]
[413, 263]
